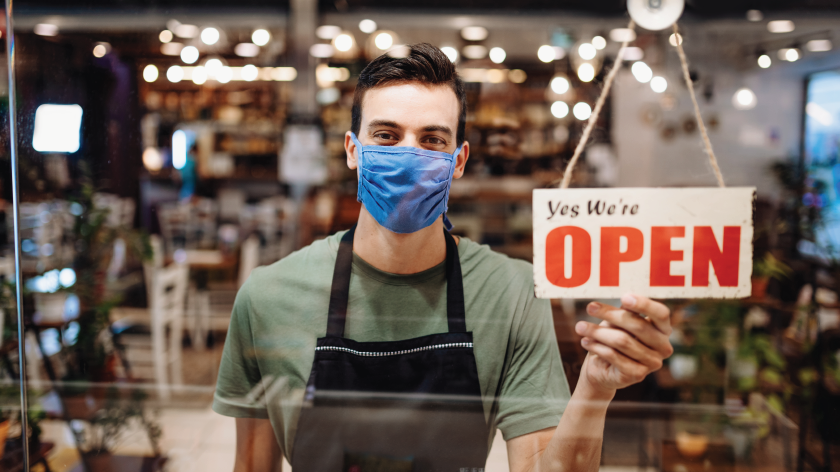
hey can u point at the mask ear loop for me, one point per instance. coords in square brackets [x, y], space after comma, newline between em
[446, 223]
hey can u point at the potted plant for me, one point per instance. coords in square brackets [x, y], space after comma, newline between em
[99, 437]
[91, 356]
[765, 269]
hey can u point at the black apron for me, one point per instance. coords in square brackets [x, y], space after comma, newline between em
[412, 405]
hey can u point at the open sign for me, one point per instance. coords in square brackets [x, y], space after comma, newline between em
[663, 243]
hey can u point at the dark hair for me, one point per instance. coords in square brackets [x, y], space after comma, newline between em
[425, 64]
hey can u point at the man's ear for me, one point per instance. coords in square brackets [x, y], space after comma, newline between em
[351, 151]
[461, 161]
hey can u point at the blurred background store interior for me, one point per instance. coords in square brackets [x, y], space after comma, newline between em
[167, 148]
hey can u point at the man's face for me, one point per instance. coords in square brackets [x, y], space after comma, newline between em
[410, 114]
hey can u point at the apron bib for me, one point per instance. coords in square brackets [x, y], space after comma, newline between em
[411, 405]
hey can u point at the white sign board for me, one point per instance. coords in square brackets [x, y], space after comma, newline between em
[662, 243]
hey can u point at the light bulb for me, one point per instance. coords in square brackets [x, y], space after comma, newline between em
[641, 72]
[599, 42]
[764, 61]
[658, 84]
[344, 42]
[582, 111]
[587, 51]
[546, 53]
[586, 72]
[497, 55]
[559, 109]
[367, 26]
[150, 73]
[260, 37]
[560, 85]
[210, 36]
[383, 41]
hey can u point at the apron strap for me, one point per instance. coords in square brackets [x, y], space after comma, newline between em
[340, 291]
[455, 311]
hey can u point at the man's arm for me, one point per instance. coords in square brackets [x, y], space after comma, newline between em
[630, 343]
[256, 447]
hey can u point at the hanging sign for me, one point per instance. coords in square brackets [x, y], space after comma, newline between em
[661, 243]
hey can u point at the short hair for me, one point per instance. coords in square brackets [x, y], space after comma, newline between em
[425, 64]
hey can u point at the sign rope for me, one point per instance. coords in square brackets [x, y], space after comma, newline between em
[567, 175]
[690, 85]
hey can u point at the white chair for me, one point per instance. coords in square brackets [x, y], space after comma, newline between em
[151, 339]
[212, 308]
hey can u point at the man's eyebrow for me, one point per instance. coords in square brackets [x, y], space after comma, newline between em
[441, 128]
[383, 123]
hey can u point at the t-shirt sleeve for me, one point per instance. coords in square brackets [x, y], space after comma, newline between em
[534, 389]
[239, 389]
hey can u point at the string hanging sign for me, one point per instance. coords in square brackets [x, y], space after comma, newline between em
[664, 243]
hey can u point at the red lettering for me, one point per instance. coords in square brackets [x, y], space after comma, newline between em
[661, 256]
[725, 261]
[555, 256]
[611, 255]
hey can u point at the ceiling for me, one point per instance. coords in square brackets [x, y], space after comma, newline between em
[700, 8]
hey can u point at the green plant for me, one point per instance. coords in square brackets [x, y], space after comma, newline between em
[112, 423]
[94, 243]
[771, 267]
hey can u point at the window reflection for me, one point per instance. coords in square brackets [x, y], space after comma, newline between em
[168, 159]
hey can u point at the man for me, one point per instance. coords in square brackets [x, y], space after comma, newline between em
[414, 297]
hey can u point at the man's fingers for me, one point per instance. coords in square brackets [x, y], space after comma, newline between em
[641, 328]
[631, 372]
[622, 342]
[656, 312]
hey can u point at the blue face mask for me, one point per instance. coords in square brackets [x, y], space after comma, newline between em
[405, 189]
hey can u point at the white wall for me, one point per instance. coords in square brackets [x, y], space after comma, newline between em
[742, 140]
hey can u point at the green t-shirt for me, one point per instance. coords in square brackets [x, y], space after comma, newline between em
[282, 309]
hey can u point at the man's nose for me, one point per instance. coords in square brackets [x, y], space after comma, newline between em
[410, 140]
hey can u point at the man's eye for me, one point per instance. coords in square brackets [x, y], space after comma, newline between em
[385, 136]
[434, 140]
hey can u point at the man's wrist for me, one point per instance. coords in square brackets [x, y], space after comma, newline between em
[587, 392]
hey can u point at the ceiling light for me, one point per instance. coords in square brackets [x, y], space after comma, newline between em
[474, 33]
[250, 73]
[189, 54]
[587, 51]
[586, 72]
[450, 52]
[674, 38]
[498, 55]
[641, 72]
[179, 149]
[754, 15]
[559, 109]
[818, 45]
[249, 50]
[546, 53]
[633, 53]
[171, 49]
[475, 51]
[199, 75]
[560, 85]
[210, 36]
[744, 99]
[764, 61]
[150, 73]
[621, 35]
[322, 50]
[224, 75]
[213, 66]
[789, 54]
[46, 29]
[517, 76]
[599, 42]
[101, 49]
[383, 41]
[343, 42]
[186, 31]
[165, 36]
[260, 37]
[327, 31]
[175, 74]
[658, 84]
[582, 111]
[367, 26]
[780, 26]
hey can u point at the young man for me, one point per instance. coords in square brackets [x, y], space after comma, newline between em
[397, 309]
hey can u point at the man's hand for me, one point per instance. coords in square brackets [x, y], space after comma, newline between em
[629, 344]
